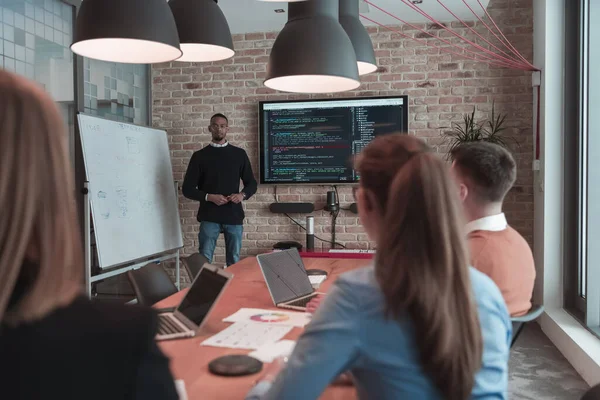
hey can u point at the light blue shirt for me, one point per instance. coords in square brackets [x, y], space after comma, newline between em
[350, 332]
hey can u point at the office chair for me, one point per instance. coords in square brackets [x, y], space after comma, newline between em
[519, 322]
[151, 284]
[193, 263]
[592, 394]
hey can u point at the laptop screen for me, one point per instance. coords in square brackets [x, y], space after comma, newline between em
[285, 275]
[202, 295]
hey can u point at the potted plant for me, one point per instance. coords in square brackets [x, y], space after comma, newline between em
[471, 131]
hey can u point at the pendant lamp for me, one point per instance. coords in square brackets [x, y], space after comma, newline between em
[356, 31]
[126, 31]
[312, 54]
[203, 30]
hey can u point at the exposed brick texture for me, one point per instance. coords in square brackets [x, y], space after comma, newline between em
[441, 87]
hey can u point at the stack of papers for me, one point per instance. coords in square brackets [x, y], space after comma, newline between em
[261, 330]
[248, 335]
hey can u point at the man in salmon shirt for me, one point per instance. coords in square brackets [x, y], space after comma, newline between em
[485, 172]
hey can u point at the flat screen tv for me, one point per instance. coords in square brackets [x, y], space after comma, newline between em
[314, 141]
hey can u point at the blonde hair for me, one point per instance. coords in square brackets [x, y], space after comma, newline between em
[40, 242]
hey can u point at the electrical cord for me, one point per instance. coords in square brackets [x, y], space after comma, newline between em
[316, 237]
[334, 216]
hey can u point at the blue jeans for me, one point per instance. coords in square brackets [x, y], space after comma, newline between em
[207, 240]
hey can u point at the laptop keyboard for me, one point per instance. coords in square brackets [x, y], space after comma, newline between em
[167, 326]
[301, 302]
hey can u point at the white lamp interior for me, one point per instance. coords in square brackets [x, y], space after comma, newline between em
[196, 52]
[312, 84]
[132, 51]
[366, 68]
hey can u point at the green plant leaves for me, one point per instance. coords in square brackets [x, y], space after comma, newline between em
[471, 131]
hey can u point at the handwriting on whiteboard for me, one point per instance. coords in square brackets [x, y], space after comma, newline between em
[134, 204]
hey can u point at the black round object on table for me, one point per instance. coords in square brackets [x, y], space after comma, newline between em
[235, 365]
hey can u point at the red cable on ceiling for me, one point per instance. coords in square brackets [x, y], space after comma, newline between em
[477, 33]
[429, 17]
[432, 45]
[496, 61]
[507, 41]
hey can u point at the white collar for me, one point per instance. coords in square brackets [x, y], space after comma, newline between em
[492, 223]
[218, 145]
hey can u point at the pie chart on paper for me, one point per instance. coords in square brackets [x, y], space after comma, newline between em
[270, 317]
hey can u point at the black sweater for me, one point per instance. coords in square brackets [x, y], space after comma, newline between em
[86, 350]
[218, 170]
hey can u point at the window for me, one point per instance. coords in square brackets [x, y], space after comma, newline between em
[116, 91]
[590, 276]
[582, 162]
[34, 42]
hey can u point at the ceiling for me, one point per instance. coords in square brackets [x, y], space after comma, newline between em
[247, 16]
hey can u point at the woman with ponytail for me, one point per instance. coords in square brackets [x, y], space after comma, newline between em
[417, 324]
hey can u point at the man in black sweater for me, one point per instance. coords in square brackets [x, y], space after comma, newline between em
[213, 178]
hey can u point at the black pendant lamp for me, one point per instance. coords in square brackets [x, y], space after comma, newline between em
[312, 54]
[356, 31]
[126, 31]
[203, 30]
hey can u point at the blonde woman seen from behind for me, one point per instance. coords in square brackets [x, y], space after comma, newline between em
[54, 343]
[418, 323]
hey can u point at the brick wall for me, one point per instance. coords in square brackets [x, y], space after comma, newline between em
[441, 87]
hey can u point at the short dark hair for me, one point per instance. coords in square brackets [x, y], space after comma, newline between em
[490, 167]
[219, 115]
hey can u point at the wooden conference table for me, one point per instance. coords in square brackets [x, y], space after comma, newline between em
[189, 360]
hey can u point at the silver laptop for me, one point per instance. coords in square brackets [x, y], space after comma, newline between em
[286, 279]
[188, 317]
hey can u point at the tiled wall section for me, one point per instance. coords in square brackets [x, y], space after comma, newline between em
[441, 88]
[31, 33]
[116, 91]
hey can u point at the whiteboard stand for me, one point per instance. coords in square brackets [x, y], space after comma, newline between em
[87, 245]
[128, 198]
[89, 279]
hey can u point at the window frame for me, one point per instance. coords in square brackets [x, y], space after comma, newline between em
[592, 175]
[581, 194]
[572, 191]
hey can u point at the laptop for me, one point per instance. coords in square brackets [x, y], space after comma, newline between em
[286, 278]
[187, 318]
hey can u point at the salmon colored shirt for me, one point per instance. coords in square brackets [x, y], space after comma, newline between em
[502, 253]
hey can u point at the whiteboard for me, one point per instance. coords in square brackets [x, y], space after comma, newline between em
[131, 190]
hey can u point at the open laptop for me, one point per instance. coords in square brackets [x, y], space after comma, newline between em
[286, 279]
[192, 312]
